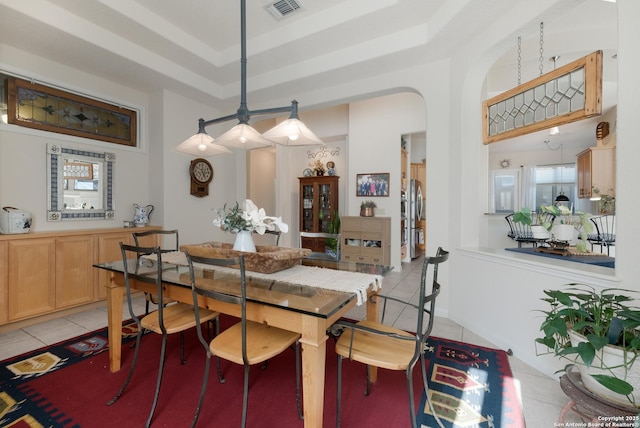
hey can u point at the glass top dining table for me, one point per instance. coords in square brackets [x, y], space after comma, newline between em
[305, 309]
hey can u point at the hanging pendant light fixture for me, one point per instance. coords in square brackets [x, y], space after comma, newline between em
[290, 132]
[562, 198]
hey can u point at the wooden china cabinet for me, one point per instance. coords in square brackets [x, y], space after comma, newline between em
[318, 206]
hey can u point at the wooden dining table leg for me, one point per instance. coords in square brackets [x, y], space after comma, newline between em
[314, 350]
[114, 322]
[373, 315]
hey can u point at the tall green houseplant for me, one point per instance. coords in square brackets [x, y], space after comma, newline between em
[333, 227]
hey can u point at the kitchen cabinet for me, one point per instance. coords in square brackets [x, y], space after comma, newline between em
[46, 272]
[596, 167]
[31, 277]
[419, 172]
[366, 239]
[404, 169]
[318, 207]
[74, 256]
[109, 251]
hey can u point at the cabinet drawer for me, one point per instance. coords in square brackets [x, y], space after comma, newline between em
[378, 260]
[372, 251]
[350, 223]
[350, 249]
[361, 258]
[372, 224]
[362, 224]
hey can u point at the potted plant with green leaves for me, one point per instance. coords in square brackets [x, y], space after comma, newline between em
[562, 229]
[367, 208]
[598, 331]
[539, 227]
[566, 222]
[607, 201]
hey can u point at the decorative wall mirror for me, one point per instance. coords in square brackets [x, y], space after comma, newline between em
[79, 184]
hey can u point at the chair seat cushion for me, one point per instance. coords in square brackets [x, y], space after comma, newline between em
[263, 342]
[177, 317]
[376, 350]
[604, 237]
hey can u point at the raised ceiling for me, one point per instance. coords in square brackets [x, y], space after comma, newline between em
[193, 46]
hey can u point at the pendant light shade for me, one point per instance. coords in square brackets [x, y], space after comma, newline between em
[243, 136]
[292, 132]
[562, 198]
[202, 144]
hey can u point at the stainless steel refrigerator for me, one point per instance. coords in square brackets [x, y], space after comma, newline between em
[415, 214]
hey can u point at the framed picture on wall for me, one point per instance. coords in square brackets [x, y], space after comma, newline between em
[372, 184]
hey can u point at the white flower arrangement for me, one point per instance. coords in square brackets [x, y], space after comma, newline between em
[249, 218]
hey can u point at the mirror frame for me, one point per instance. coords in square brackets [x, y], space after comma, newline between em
[55, 184]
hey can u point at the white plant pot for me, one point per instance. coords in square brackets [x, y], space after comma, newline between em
[563, 232]
[613, 359]
[539, 232]
[244, 242]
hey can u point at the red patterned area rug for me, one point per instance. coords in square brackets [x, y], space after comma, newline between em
[470, 386]
[68, 384]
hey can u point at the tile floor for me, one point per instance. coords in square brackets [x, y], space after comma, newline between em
[542, 398]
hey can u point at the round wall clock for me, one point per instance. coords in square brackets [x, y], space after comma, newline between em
[201, 173]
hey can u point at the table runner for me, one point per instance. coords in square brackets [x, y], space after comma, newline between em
[312, 276]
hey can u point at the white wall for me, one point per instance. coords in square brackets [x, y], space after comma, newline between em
[23, 151]
[189, 214]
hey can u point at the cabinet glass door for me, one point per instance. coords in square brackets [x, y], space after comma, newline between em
[307, 208]
[324, 207]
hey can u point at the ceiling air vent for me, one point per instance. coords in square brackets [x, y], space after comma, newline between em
[283, 8]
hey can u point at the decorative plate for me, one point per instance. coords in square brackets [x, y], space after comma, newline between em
[307, 172]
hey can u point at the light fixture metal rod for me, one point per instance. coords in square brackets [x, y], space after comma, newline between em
[243, 113]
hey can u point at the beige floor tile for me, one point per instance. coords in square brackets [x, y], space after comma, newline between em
[55, 331]
[92, 319]
[17, 342]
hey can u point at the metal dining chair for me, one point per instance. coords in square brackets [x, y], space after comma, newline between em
[247, 342]
[275, 233]
[522, 234]
[605, 232]
[166, 320]
[376, 344]
[170, 243]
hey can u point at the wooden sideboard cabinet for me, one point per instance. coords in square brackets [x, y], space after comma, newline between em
[31, 277]
[45, 272]
[366, 239]
[596, 167]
